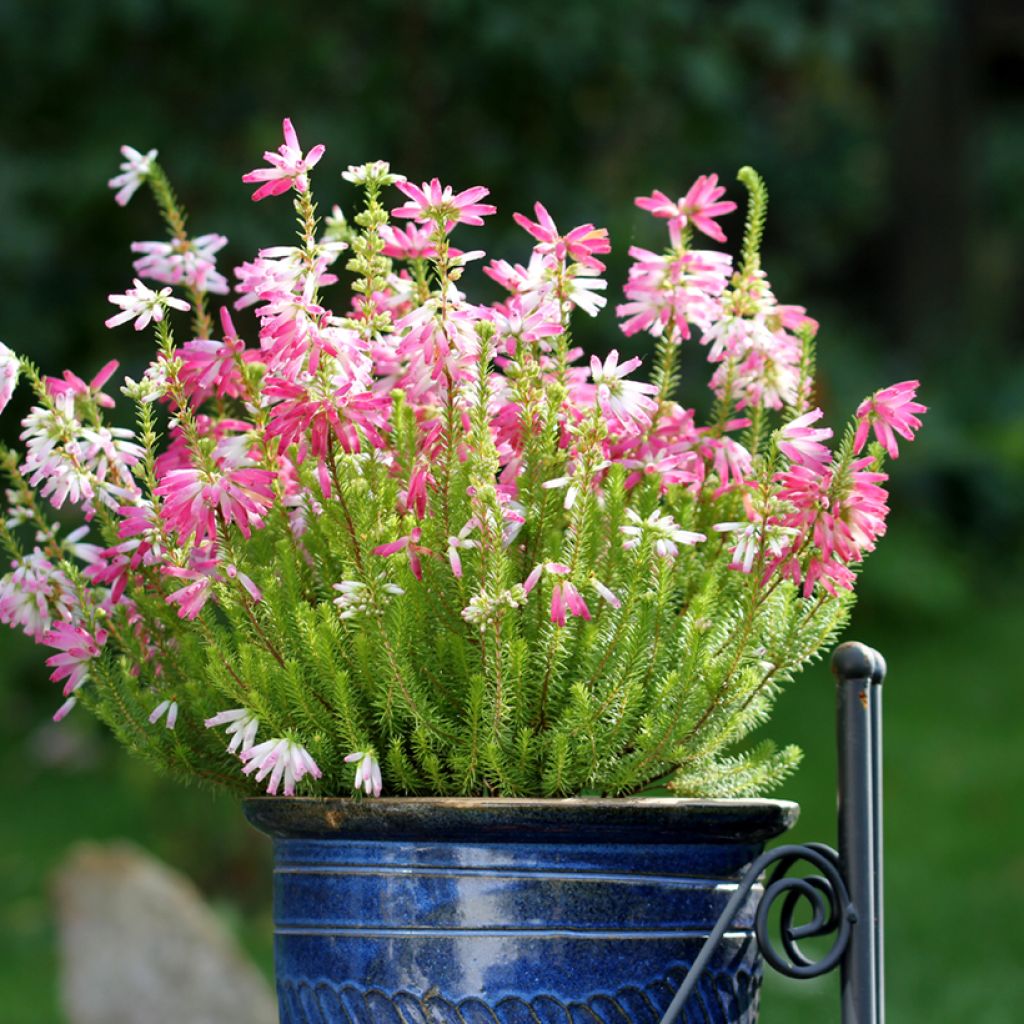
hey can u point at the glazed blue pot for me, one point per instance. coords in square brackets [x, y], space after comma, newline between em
[452, 911]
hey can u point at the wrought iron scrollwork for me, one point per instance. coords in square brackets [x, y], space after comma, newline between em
[845, 897]
[829, 901]
[831, 913]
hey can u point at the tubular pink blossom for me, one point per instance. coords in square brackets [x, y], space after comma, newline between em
[801, 443]
[9, 368]
[889, 412]
[434, 203]
[288, 167]
[77, 647]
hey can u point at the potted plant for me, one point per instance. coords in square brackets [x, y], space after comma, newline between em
[490, 627]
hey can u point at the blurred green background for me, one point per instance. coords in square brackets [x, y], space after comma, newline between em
[891, 135]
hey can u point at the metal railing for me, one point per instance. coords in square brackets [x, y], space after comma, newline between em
[845, 896]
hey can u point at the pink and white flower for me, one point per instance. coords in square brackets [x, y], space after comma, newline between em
[134, 171]
[143, 305]
[368, 777]
[281, 760]
[699, 207]
[433, 203]
[288, 167]
[9, 369]
[801, 443]
[627, 402]
[582, 244]
[242, 726]
[660, 530]
[78, 649]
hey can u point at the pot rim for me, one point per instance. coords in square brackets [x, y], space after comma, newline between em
[507, 819]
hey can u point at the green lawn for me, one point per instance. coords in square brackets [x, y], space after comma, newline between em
[955, 838]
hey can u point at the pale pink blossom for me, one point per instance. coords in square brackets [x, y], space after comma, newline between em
[242, 726]
[627, 402]
[288, 167]
[889, 412]
[77, 648]
[9, 369]
[281, 760]
[189, 261]
[134, 171]
[801, 443]
[433, 203]
[368, 777]
[143, 305]
[168, 708]
[35, 594]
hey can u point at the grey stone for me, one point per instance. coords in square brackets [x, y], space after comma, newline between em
[138, 945]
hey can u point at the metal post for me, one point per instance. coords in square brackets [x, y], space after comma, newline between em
[858, 670]
[845, 895]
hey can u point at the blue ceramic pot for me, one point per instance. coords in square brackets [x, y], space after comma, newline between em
[514, 911]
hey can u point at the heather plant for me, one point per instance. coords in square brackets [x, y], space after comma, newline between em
[414, 546]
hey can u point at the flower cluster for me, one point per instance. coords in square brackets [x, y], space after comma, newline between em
[413, 542]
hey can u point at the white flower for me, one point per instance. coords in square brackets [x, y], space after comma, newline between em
[376, 170]
[143, 305]
[242, 726]
[134, 171]
[359, 598]
[368, 777]
[626, 401]
[281, 759]
[9, 367]
[484, 608]
[748, 541]
[661, 529]
[168, 707]
[582, 288]
[607, 594]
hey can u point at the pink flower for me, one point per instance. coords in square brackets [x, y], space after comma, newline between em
[433, 204]
[134, 171]
[412, 243]
[800, 442]
[581, 244]
[199, 580]
[888, 412]
[78, 647]
[191, 261]
[281, 759]
[35, 594]
[565, 598]
[411, 546]
[288, 167]
[232, 488]
[625, 401]
[344, 409]
[699, 207]
[368, 777]
[143, 305]
[71, 384]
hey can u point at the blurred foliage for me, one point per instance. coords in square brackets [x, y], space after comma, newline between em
[891, 135]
